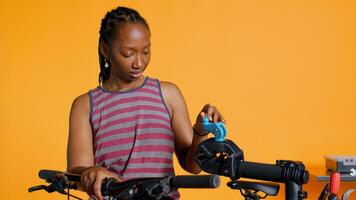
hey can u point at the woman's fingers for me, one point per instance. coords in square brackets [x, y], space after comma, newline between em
[212, 113]
[91, 181]
[92, 178]
[222, 119]
[93, 175]
[97, 187]
[207, 109]
[201, 116]
[84, 181]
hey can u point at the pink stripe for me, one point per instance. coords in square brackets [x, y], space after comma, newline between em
[119, 121]
[131, 128]
[129, 109]
[150, 80]
[115, 132]
[121, 141]
[145, 160]
[111, 155]
[98, 94]
[111, 143]
[146, 148]
[152, 84]
[149, 91]
[126, 100]
[97, 102]
[134, 118]
[150, 160]
[146, 136]
[149, 170]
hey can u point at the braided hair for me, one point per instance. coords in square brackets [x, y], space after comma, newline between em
[108, 31]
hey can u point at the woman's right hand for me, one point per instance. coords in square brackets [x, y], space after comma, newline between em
[91, 180]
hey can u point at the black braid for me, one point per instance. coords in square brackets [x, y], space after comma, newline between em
[108, 31]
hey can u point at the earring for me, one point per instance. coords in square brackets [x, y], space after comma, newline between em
[106, 65]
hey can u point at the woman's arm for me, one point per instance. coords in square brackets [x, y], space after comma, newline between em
[80, 153]
[80, 141]
[186, 142]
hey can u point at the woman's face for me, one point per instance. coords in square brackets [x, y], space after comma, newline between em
[130, 52]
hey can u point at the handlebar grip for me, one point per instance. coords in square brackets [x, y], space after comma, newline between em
[113, 188]
[46, 174]
[275, 173]
[199, 181]
[261, 171]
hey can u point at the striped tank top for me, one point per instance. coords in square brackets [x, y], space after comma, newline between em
[132, 133]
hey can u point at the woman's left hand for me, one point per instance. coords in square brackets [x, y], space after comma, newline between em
[212, 113]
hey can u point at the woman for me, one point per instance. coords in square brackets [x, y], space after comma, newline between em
[130, 125]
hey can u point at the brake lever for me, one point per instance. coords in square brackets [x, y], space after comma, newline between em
[347, 194]
[57, 183]
[37, 187]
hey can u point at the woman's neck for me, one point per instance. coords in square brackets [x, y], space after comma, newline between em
[114, 84]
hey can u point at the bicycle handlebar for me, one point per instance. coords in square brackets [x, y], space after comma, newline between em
[151, 188]
[271, 172]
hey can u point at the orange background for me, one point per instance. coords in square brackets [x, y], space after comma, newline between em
[283, 73]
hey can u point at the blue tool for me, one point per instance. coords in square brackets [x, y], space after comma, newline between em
[218, 129]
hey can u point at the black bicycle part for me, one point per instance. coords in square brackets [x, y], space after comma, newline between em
[58, 183]
[134, 189]
[227, 159]
[155, 188]
[250, 190]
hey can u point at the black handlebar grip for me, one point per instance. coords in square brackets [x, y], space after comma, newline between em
[46, 174]
[202, 181]
[261, 171]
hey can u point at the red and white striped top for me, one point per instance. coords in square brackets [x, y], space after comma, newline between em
[132, 131]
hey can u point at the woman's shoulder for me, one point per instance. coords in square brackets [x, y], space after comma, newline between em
[82, 98]
[81, 103]
[170, 91]
[169, 87]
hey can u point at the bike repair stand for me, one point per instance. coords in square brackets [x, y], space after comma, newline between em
[223, 157]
